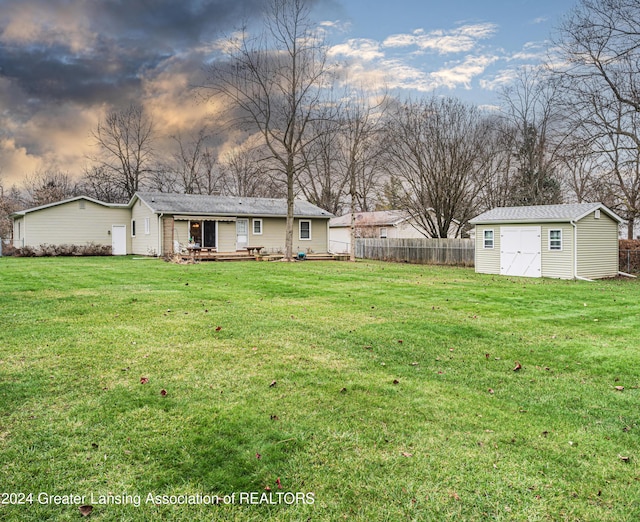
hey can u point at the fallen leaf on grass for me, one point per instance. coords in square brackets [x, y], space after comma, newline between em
[273, 383]
[343, 390]
[258, 456]
[163, 392]
[144, 380]
[396, 381]
[620, 388]
[218, 328]
[490, 390]
[624, 459]
[278, 483]
[267, 488]
[86, 510]
[518, 366]
[405, 454]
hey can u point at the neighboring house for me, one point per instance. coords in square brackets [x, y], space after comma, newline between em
[392, 224]
[160, 223]
[577, 241]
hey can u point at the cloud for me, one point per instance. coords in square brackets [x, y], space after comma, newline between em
[360, 48]
[460, 74]
[64, 63]
[458, 40]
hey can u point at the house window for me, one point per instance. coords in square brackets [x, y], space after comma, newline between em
[555, 239]
[383, 232]
[257, 227]
[488, 239]
[133, 228]
[147, 226]
[305, 230]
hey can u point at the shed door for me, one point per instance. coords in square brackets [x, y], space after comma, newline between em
[520, 251]
[118, 240]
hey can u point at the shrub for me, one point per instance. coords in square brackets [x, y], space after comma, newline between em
[45, 250]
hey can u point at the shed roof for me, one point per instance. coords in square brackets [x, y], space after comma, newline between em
[202, 205]
[541, 213]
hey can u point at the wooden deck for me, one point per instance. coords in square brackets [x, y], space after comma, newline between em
[196, 256]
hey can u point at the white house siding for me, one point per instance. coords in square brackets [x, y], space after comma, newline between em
[487, 259]
[557, 263]
[597, 247]
[71, 224]
[145, 242]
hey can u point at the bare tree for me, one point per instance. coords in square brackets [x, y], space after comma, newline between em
[323, 181]
[10, 201]
[243, 174]
[597, 61]
[195, 165]
[274, 81]
[435, 147]
[532, 117]
[48, 186]
[102, 184]
[125, 139]
[361, 153]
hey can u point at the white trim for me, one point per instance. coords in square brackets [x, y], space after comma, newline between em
[300, 238]
[557, 239]
[484, 239]
[253, 226]
[133, 228]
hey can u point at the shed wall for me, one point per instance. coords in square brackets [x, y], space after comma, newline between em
[597, 247]
[487, 259]
[557, 264]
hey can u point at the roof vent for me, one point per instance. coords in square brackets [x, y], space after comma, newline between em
[596, 214]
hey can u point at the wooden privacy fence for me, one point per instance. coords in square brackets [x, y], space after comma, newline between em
[459, 252]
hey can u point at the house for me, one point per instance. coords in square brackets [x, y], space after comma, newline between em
[576, 241]
[78, 221]
[384, 224]
[391, 224]
[161, 223]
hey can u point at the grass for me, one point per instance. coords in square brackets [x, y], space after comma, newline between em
[376, 391]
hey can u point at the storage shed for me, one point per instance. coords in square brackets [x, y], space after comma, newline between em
[575, 241]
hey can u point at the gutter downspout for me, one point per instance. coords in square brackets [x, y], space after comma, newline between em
[575, 254]
[160, 235]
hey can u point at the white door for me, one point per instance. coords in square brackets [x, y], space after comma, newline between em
[242, 233]
[119, 240]
[520, 251]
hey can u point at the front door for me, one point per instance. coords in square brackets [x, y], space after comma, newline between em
[119, 240]
[209, 234]
[242, 233]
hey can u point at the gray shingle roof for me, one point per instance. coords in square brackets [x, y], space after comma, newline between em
[541, 213]
[226, 205]
[378, 218]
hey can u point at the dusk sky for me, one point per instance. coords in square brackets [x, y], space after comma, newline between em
[65, 63]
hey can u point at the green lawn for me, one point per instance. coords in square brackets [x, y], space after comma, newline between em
[364, 391]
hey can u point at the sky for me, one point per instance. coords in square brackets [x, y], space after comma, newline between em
[65, 63]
